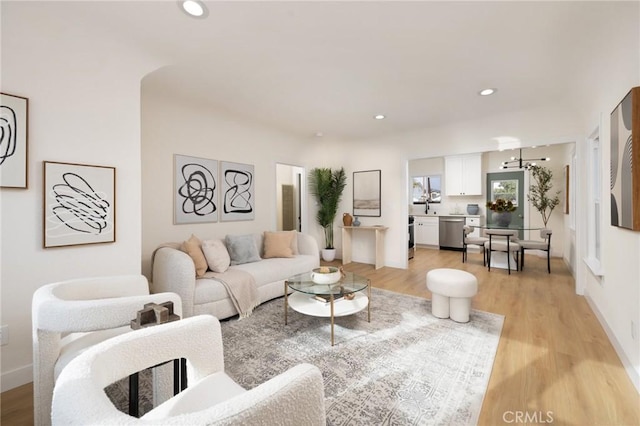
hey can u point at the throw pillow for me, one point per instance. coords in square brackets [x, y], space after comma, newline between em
[294, 242]
[216, 254]
[193, 249]
[277, 244]
[242, 249]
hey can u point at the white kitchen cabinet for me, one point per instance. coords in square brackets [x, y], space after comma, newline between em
[426, 231]
[463, 174]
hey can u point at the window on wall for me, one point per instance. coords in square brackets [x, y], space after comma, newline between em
[505, 189]
[594, 216]
[426, 189]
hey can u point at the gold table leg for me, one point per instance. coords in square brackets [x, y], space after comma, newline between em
[331, 319]
[369, 301]
[285, 302]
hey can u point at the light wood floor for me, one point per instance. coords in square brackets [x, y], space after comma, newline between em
[554, 362]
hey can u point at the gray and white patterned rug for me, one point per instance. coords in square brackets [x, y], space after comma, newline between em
[406, 367]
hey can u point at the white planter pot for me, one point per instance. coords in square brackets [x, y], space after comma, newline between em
[328, 254]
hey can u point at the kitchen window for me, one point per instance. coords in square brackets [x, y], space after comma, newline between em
[426, 189]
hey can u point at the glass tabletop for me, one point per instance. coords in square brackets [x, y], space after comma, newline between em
[510, 227]
[350, 283]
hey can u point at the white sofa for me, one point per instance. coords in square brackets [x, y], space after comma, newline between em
[174, 271]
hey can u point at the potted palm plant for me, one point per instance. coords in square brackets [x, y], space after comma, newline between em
[538, 192]
[327, 185]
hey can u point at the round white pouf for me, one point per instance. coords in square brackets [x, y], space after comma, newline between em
[452, 290]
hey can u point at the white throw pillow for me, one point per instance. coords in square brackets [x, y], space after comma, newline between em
[216, 254]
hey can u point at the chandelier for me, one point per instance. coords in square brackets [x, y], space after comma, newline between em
[521, 163]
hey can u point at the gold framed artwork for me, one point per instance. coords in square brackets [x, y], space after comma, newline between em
[79, 204]
[625, 162]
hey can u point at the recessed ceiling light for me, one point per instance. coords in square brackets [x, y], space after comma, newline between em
[379, 117]
[487, 92]
[194, 8]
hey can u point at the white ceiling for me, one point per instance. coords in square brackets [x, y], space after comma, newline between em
[315, 66]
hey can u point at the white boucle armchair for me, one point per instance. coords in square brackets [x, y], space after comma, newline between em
[295, 397]
[70, 316]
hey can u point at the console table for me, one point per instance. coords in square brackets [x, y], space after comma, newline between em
[347, 232]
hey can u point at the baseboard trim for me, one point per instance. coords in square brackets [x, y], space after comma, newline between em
[626, 363]
[18, 377]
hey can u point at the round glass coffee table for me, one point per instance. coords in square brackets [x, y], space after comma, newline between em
[327, 300]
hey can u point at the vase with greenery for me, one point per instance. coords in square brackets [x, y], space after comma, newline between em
[538, 194]
[327, 186]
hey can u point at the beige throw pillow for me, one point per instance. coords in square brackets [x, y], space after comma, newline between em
[294, 242]
[216, 254]
[278, 244]
[193, 249]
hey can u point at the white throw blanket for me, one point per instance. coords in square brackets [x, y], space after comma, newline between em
[241, 287]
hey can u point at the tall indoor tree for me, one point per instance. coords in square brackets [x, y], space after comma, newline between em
[539, 192]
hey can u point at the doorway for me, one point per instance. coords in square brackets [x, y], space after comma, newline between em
[290, 193]
[509, 186]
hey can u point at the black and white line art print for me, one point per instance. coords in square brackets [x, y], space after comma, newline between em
[238, 186]
[79, 204]
[196, 190]
[13, 141]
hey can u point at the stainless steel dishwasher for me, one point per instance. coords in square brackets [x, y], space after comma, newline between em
[451, 228]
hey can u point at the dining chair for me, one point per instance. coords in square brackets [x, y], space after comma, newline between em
[544, 245]
[502, 240]
[468, 239]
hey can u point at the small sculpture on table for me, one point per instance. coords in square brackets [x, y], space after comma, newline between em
[154, 314]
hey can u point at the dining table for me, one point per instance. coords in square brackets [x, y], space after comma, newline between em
[498, 258]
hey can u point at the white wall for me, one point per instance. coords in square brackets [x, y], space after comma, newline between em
[84, 107]
[174, 126]
[616, 297]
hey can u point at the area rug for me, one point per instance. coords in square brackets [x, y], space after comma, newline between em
[406, 367]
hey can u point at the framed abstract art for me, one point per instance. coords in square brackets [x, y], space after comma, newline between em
[237, 192]
[79, 204]
[366, 193]
[625, 162]
[14, 115]
[196, 190]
